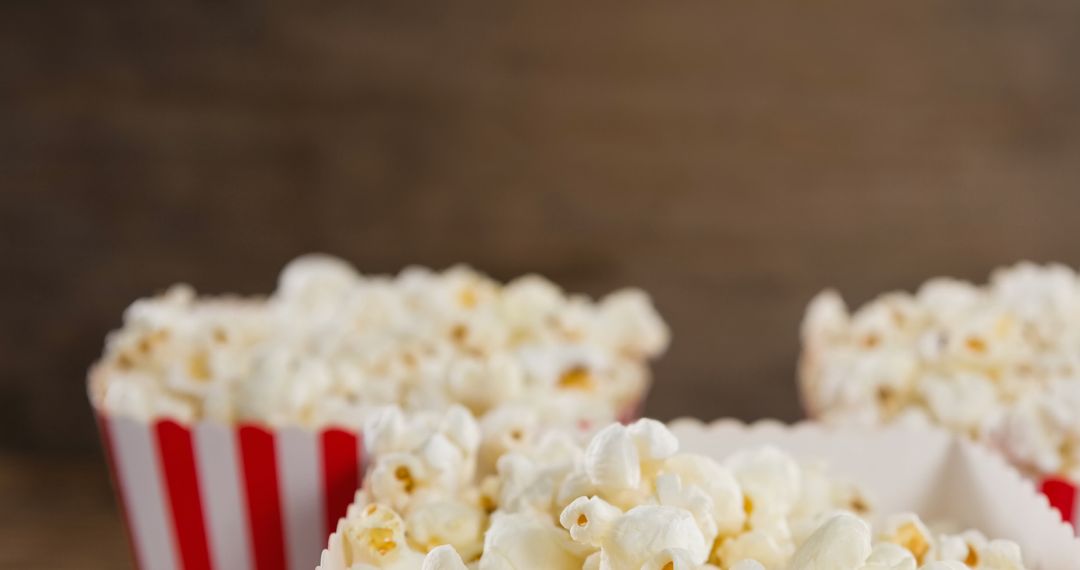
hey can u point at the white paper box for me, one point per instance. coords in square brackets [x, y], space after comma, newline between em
[926, 471]
[929, 472]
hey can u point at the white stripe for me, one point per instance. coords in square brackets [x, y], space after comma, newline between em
[217, 459]
[303, 505]
[1076, 508]
[136, 456]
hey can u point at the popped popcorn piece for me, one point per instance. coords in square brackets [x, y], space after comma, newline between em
[842, 542]
[443, 558]
[1001, 555]
[999, 363]
[330, 346]
[524, 542]
[889, 556]
[377, 538]
[612, 460]
[771, 549]
[447, 522]
[907, 531]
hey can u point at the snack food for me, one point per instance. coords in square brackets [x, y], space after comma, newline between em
[233, 424]
[627, 500]
[998, 363]
[329, 344]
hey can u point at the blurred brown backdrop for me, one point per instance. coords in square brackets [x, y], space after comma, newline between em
[731, 158]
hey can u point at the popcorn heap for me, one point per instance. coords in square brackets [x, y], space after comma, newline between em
[329, 345]
[629, 500]
[999, 363]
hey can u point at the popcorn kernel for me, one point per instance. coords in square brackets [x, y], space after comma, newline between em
[972, 558]
[467, 298]
[199, 367]
[576, 378]
[909, 537]
[382, 540]
[403, 474]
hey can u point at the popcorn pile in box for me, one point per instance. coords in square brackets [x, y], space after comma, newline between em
[629, 499]
[233, 424]
[482, 419]
[998, 363]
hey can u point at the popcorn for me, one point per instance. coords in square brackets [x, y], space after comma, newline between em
[447, 522]
[612, 460]
[647, 531]
[1001, 555]
[443, 558]
[997, 363]
[889, 556]
[329, 346]
[377, 538]
[518, 541]
[629, 499]
[907, 531]
[842, 542]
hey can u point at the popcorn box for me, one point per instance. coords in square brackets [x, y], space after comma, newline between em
[214, 495]
[1062, 495]
[211, 495]
[927, 471]
[328, 346]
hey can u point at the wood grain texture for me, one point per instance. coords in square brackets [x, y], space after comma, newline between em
[731, 158]
[59, 515]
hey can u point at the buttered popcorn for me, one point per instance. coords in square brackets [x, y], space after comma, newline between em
[330, 345]
[627, 500]
[999, 363]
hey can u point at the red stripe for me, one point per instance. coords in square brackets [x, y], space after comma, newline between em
[105, 431]
[341, 473]
[1062, 495]
[177, 457]
[263, 498]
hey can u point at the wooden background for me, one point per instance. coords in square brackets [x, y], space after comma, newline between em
[731, 158]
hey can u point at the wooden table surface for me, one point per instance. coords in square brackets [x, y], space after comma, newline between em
[57, 514]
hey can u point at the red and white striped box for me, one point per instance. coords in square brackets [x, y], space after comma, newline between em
[211, 495]
[1064, 496]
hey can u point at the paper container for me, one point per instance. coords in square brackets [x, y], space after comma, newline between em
[927, 471]
[210, 495]
[1063, 494]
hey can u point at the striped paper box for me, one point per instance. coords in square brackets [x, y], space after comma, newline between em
[211, 495]
[1063, 495]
